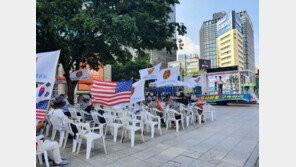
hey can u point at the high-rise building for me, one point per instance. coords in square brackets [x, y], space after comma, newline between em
[183, 57]
[186, 65]
[230, 50]
[207, 39]
[208, 43]
[248, 39]
[161, 56]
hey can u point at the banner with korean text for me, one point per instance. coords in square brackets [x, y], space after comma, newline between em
[223, 97]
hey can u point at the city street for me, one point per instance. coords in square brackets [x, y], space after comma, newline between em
[230, 141]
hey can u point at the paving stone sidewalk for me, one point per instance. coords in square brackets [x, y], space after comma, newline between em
[229, 141]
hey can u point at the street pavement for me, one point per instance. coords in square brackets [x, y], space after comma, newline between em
[230, 141]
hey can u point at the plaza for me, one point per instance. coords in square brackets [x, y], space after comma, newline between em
[232, 140]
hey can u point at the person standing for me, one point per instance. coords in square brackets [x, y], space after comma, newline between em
[220, 85]
[216, 84]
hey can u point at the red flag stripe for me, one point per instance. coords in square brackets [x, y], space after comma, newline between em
[113, 84]
[114, 99]
[108, 96]
[100, 92]
[107, 104]
[103, 87]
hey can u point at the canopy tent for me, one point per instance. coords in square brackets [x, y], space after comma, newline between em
[178, 83]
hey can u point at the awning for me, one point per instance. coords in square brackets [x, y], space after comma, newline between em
[178, 83]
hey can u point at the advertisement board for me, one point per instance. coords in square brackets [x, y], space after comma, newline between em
[224, 24]
[230, 83]
[230, 21]
[204, 63]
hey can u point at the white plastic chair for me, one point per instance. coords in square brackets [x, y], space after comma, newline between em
[130, 125]
[209, 109]
[39, 151]
[83, 114]
[152, 121]
[113, 123]
[69, 130]
[57, 125]
[188, 116]
[84, 132]
[73, 112]
[171, 117]
[96, 122]
[196, 114]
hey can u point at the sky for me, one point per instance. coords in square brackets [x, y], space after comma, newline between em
[194, 12]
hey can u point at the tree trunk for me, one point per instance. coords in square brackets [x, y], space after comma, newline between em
[71, 88]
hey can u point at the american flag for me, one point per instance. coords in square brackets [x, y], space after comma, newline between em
[41, 109]
[111, 93]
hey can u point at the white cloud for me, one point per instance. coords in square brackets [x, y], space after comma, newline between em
[190, 47]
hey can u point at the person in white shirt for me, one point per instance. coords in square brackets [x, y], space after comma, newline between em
[137, 108]
[220, 85]
[58, 113]
[52, 148]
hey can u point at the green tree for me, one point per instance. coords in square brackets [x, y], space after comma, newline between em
[130, 69]
[89, 32]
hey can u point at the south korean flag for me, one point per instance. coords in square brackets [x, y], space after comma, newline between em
[44, 91]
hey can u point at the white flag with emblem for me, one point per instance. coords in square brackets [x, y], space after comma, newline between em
[137, 93]
[79, 75]
[168, 77]
[150, 73]
[195, 81]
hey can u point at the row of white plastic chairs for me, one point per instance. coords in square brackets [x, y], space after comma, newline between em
[120, 118]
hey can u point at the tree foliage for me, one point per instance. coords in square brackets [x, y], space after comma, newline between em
[130, 69]
[89, 32]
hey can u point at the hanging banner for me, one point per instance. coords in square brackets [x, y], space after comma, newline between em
[79, 75]
[195, 81]
[223, 97]
[137, 93]
[168, 76]
[44, 92]
[150, 73]
[46, 64]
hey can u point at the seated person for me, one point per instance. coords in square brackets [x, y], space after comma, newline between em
[159, 107]
[167, 98]
[153, 104]
[137, 108]
[149, 99]
[61, 116]
[80, 99]
[52, 148]
[65, 107]
[86, 104]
